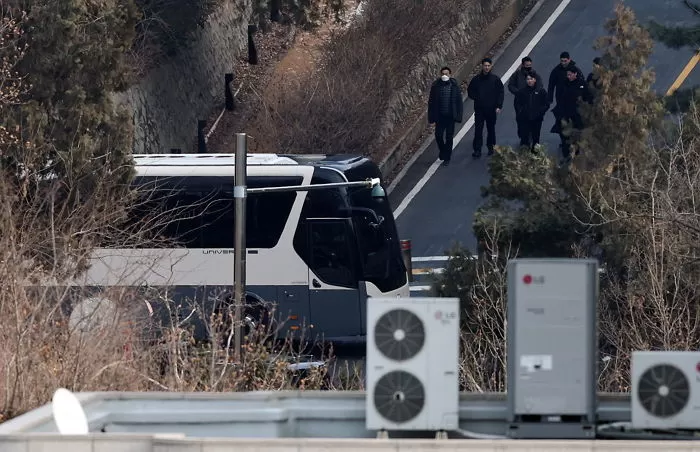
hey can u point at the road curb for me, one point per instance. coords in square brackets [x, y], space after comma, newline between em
[463, 71]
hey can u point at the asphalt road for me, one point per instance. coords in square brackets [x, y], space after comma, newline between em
[441, 213]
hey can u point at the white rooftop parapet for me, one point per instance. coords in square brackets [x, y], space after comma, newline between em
[179, 443]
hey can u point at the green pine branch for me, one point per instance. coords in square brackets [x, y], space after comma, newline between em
[677, 37]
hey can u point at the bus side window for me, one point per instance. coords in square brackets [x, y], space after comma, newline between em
[331, 256]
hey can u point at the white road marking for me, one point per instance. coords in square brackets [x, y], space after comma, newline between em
[430, 259]
[428, 271]
[435, 258]
[470, 123]
[420, 288]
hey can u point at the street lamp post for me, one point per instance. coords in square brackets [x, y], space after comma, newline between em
[240, 193]
[239, 239]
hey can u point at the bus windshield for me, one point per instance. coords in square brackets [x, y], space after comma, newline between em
[377, 238]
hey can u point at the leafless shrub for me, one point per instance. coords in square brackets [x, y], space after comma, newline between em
[12, 84]
[480, 283]
[57, 330]
[648, 206]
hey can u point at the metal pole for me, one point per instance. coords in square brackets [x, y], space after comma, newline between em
[239, 240]
[406, 254]
[228, 94]
[201, 138]
[252, 51]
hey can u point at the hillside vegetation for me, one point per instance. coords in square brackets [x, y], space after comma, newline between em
[64, 171]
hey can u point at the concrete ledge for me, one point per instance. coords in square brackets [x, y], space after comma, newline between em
[171, 443]
[271, 414]
[492, 34]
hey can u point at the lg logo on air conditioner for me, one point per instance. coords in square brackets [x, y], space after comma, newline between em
[529, 279]
[445, 317]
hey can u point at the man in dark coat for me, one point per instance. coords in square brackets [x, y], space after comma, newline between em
[566, 112]
[444, 109]
[593, 80]
[530, 107]
[557, 78]
[517, 82]
[486, 90]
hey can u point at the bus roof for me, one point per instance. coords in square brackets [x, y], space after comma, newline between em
[340, 161]
[208, 159]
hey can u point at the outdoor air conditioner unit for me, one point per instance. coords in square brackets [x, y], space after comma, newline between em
[412, 364]
[665, 390]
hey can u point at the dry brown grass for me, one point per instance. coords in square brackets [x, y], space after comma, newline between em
[342, 105]
[118, 346]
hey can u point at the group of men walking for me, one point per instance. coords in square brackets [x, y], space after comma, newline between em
[566, 85]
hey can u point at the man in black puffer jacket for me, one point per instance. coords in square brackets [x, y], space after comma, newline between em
[517, 82]
[566, 112]
[557, 78]
[486, 90]
[530, 107]
[444, 109]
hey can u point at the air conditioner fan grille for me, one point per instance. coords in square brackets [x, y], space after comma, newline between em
[399, 396]
[663, 390]
[399, 334]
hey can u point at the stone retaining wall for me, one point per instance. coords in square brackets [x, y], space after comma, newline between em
[167, 103]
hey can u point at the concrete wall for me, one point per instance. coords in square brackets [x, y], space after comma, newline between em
[168, 102]
[479, 29]
[138, 443]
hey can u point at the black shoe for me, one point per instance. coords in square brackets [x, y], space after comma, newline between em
[490, 152]
[446, 163]
[476, 154]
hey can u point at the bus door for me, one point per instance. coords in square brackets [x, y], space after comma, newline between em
[334, 295]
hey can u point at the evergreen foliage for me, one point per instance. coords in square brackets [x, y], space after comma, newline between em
[678, 37]
[66, 160]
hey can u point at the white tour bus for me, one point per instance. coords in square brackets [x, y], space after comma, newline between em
[317, 255]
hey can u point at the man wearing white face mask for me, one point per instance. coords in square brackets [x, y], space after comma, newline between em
[444, 109]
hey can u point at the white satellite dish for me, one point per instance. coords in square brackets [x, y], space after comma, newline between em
[68, 413]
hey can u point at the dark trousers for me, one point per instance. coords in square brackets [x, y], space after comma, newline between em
[481, 117]
[529, 131]
[444, 133]
[571, 124]
[565, 145]
[521, 130]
